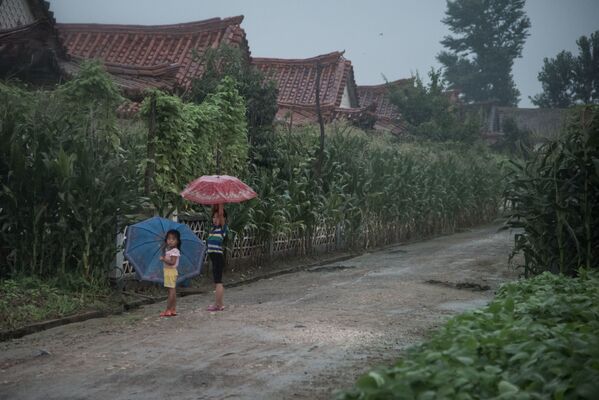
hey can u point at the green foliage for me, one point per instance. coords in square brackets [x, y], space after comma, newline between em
[63, 191]
[429, 187]
[259, 93]
[557, 80]
[536, 340]
[71, 175]
[30, 299]
[488, 36]
[188, 137]
[430, 113]
[554, 199]
[94, 87]
[569, 80]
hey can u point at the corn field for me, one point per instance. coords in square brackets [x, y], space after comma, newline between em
[72, 177]
[554, 200]
[371, 191]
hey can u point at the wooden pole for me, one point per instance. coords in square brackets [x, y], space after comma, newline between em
[320, 122]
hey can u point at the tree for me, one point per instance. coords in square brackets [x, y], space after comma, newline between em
[557, 78]
[569, 80]
[429, 111]
[488, 36]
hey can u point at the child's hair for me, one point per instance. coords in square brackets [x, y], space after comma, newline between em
[215, 211]
[177, 236]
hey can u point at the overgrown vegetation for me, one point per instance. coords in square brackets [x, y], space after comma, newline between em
[536, 340]
[63, 187]
[259, 94]
[429, 187]
[189, 136]
[554, 199]
[431, 114]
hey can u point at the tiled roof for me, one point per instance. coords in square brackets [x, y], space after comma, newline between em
[139, 56]
[378, 94]
[296, 79]
[387, 115]
[132, 79]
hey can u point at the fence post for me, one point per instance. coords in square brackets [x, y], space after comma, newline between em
[338, 236]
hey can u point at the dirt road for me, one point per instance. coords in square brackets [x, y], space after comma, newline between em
[296, 336]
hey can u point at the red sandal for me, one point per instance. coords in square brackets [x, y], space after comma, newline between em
[214, 307]
[167, 313]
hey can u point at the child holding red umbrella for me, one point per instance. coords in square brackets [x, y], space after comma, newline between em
[215, 241]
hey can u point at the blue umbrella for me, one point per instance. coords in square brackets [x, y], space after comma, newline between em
[144, 245]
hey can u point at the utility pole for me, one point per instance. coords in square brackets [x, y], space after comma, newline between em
[320, 122]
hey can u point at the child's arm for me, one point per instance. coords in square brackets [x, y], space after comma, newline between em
[170, 260]
[221, 214]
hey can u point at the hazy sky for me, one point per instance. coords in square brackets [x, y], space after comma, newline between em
[392, 37]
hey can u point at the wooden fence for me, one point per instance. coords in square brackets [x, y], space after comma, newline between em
[249, 249]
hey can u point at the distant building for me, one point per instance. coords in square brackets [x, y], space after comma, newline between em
[542, 123]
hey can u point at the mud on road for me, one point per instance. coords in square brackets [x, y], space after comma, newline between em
[295, 336]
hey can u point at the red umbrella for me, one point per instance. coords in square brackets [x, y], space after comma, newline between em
[217, 189]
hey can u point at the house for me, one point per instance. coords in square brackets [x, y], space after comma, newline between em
[35, 48]
[160, 56]
[30, 48]
[388, 117]
[296, 83]
[340, 97]
[167, 57]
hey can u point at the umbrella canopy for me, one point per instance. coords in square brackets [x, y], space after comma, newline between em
[144, 244]
[217, 189]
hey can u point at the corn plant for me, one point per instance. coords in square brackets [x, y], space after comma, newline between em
[554, 198]
[64, 192]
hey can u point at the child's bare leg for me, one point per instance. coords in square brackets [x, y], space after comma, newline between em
[219, 294]
[171, 302]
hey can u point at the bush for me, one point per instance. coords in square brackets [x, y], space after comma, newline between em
[537, 340]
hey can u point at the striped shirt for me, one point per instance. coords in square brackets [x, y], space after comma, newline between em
[216, 237]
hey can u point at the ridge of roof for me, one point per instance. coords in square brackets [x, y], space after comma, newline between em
[323, 58]
[383, 86]
[186, 27]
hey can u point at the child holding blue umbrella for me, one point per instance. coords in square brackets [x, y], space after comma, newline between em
[170, 263]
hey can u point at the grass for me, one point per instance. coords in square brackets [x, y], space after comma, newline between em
[26, 300]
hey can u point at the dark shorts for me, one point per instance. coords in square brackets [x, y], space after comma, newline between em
[218, 264]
